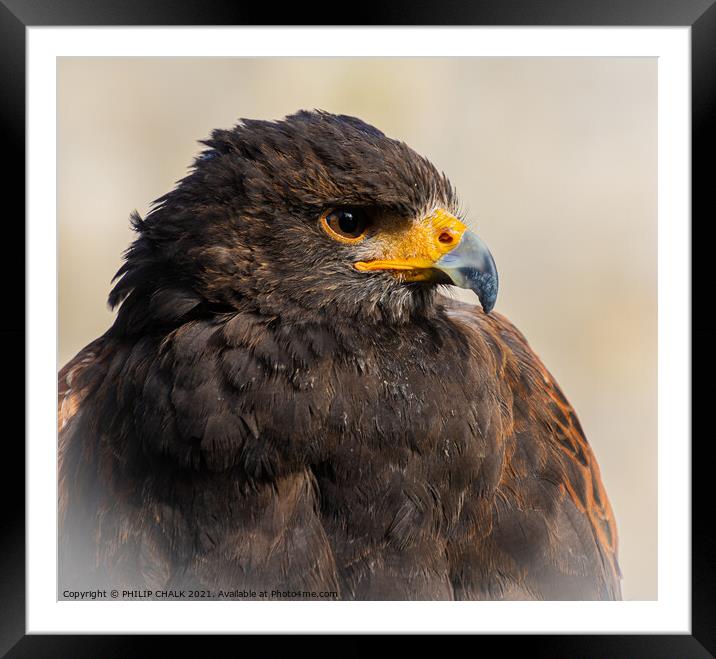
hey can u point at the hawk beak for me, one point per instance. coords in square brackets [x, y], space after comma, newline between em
[470, 265]
[441, 249]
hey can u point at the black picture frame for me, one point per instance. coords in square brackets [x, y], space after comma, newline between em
[17, 15]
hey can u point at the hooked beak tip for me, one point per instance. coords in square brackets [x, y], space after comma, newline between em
[486, 289]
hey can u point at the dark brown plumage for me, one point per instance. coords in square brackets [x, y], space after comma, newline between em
[279, 406]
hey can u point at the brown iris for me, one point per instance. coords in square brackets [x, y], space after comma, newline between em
[346, 225]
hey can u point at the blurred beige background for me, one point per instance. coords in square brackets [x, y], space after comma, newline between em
[555, 162]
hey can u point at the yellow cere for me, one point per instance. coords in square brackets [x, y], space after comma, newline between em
[412, 253]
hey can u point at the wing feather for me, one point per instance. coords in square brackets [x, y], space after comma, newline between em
[553, 518]
[71, 389]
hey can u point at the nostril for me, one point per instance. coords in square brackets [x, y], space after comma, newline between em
[445, 237]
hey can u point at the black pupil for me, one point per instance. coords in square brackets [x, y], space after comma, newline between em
[348, 223]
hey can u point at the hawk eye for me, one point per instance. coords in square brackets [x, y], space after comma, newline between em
[347, 225]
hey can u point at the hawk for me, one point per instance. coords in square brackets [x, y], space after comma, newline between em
[286, 402]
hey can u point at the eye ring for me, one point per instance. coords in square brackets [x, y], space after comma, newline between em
[346, 225]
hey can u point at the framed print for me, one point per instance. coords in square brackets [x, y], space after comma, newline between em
[311, 388]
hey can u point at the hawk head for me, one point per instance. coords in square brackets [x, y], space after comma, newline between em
[316, 213]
